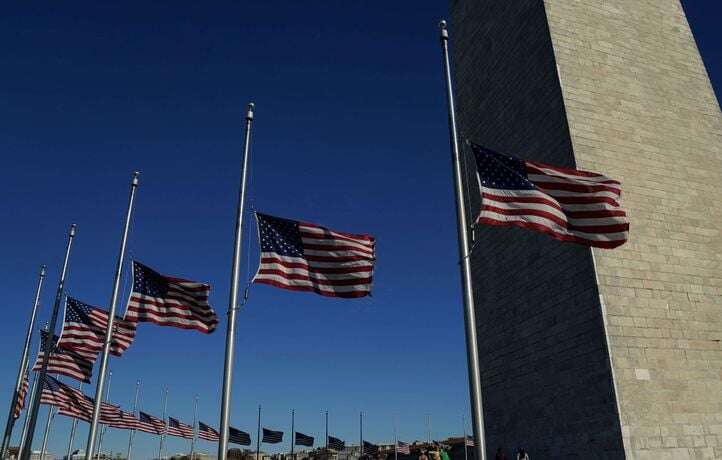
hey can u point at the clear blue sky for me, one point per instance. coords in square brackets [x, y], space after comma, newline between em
[350, 132]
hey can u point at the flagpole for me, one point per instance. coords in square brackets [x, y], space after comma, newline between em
[293, 431]
[30, 397]
[165, 424]
[258, 435]
[396, 441]
[233, 300]
[104, 427]
[463, 428]
[73, 427]
[111, 318]
[361, 433]
[327, 430]
[23, 365]
[131, 435]
[472, 349]
[49, 343]
[195, 419]
[48, 422]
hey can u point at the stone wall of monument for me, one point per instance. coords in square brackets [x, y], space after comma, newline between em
[641, 108]
[546, 377]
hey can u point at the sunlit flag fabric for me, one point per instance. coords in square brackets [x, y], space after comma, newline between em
[169, 301]
[336, 444]
[179, 429]
[207, 433]
[370, 449]
[566, 204]
[85, 326]
[150, 424]
[238, 437]
[403, 448]
[124, 421]
[304, 440]
[20, 402]
[307, 257]
[72, 402]
[69, 363]
[272, 437]
[53, 392]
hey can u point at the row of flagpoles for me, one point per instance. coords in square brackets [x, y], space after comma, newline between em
[567, 204]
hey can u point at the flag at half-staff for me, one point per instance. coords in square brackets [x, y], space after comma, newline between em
[564, 203]
[169, 301]
[306, 257]
[179, 429]
[336, 444]
[239, 437]
[150, 424]
[271, 436]
[207, 433]
[69, 363]
[72, 402]
[370, 448]
[303, 440]
[124, 421]
[20, 402]
[403, 448]
[85, 326]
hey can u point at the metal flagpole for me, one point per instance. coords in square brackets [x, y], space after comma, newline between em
[361, 433]
[131, 435]
[428, 429]
[111, 318]
[463, 428]
[165, 424]
[293, 431]
[258, 435]
[233, 300]
[73, 427]
[23, 364]
[104, 427]
[49, 339]
[195, 420]
[48, 423]
[396, 441]
[30, 396]
[326, 429]
[472, 349]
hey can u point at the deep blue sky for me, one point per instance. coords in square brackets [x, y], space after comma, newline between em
[350, 132]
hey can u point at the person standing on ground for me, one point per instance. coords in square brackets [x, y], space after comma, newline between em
[522, 455]
[423, 456]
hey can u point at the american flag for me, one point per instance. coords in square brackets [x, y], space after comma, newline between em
[169, 301]
[124, 420]
[179, 429]
[336, 444]
[307, 257]
[238, 437]
[20, 403]
[403, 448]
[69, 363]
[84, 329]
[72, 402]
[303, 439]
[207, 433]
[567, 204]
[271, 436]
[370, 448]
[149, 424]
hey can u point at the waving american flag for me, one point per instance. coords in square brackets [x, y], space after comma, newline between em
[179, 429]
[169, 301]
[20, 402]
[85, 326]
[207, 433]
[307, 257]
[566, 204]
[69, 363]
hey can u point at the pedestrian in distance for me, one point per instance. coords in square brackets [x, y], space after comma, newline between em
[423, 455]
[522, 455]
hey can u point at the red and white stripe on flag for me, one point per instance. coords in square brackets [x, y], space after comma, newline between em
[568, 204]
[307, 257]
[20, 403]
